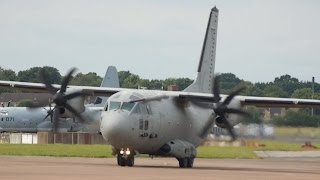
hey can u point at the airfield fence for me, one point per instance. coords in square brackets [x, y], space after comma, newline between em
[51, 138]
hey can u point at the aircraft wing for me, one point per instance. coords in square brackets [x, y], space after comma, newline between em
[278, 102]
[39, 87]
[255, 101]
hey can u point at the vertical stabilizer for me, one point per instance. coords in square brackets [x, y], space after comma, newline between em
[111, 79]
[203, 83]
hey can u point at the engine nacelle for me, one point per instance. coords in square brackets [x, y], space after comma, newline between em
[179, 149]
[233, 119]
[77, 103]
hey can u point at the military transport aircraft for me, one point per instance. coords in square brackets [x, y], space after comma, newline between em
[164, 123]
[24, 119]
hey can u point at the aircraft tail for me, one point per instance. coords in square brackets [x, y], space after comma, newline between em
[111, 79]
[203, 83]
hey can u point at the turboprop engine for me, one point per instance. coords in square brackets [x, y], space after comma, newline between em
[69, 102]
[76, 103]
[233, 119]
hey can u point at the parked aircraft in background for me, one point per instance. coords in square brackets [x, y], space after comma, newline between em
[166, 123]
[24, 119]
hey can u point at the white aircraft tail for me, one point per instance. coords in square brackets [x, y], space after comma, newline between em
[203, 83]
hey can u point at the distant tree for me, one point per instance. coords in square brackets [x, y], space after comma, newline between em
[252, 90]
[274, 91]
[183, 83]
[297, 119]
[7, 74]
[304, 93]
[122, 76]
[255, 116]
[132, 81]
[89, 79]
[144, 83]
[228, 82]
[287, 83]
[32, 75]
[261, 85]
[52, 75]
[156, 84]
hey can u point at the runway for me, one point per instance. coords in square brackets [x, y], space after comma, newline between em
[47, 168]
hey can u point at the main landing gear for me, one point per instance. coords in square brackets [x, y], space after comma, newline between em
[125, 158]
[186, 162]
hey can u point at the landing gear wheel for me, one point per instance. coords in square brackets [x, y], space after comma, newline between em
[121, 160]
[125, 160]
[183, 162]
[130, 161]
[190, 162]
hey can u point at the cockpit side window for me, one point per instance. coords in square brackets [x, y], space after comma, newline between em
[98, 101]
[114, 105]
[136, 109]
[141, 108]
[127, 105]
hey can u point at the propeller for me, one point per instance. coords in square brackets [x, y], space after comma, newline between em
[221, 109]
[60, 98]
[49, 112]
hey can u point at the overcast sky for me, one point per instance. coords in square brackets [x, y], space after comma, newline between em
[257, 40]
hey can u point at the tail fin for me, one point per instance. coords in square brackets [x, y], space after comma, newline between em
[110, 79]
[203, 82]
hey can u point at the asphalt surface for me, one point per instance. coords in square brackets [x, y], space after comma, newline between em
[47, 168]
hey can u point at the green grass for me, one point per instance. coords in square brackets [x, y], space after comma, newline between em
[58, 150]
[279, 146]
[226, 152]
[297, 132]
[102, 151]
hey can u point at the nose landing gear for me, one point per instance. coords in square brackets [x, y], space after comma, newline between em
[125, 157]
[186, 162]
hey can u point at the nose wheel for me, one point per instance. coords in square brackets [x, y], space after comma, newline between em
[125, 161]
[186, 162]
[125, 158]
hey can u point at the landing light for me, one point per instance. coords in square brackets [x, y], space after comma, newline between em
[122, 151]
[128, 152]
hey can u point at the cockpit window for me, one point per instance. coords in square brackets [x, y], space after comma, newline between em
[114, 105]
[98, 101]
[127, 106]
[136, 109]
[141, 108]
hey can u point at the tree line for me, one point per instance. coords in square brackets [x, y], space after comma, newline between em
[284, 86]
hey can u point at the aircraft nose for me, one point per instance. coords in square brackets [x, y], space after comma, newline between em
[115, 128]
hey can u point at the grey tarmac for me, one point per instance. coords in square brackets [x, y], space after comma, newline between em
[47, 168]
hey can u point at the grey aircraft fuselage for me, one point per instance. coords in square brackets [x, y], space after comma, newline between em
[22, 119]
[146, 126]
